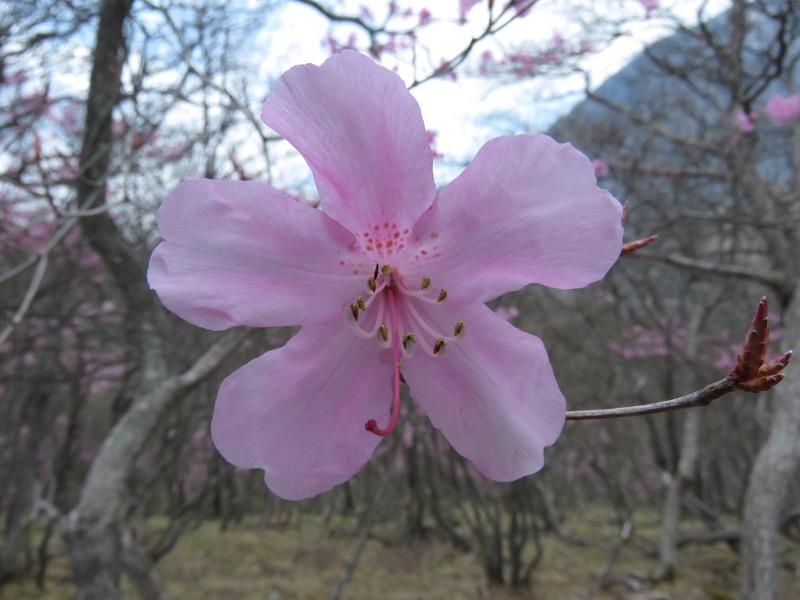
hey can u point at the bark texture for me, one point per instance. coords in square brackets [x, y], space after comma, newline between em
[777, 463]
[93, 529]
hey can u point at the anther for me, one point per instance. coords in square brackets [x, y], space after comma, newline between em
[409, 342]
[438, 347]
[442, 295]
[426, 281]
[383, 336]
[459, 330]
[386, 270]
[362, 305]
[354, 311]
[372, 284]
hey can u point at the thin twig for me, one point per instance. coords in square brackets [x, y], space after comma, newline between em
[699, 398]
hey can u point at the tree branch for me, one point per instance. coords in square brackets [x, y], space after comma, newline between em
[701, 397]
[771, 279]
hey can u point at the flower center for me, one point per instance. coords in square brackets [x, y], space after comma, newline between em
[389, 312]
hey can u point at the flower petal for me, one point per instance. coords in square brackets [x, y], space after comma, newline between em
[299, 412]
[493, 394]
[526, 210]
[362, 134]
[242, 253]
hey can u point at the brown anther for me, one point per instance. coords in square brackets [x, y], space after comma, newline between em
[372, 284]
[383, 330]
[426, 281]
[361, 303]
[438, 347]
[458, 330]
[409, 337]
[442, 295]
[354, 311]
[386, 270]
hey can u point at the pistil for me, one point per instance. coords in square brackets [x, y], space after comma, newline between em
[372, 424]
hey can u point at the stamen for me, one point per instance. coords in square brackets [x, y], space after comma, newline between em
[361, 304]
[442, 295]
[459, 330]
[383, 336]
[386, 270]
[409, 342]
[438, 347]
[371, 283]
[351, 316]
[426, 281]
[372, 424]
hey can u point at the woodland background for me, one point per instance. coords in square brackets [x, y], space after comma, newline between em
[109, 484]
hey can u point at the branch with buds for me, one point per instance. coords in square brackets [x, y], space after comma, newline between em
[751, 374]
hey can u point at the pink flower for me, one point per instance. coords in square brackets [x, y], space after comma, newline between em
[465, 6]
[744, 121]
[387, 278]
[780, 110]
[507, 312]
[649, 6]
[601, 168]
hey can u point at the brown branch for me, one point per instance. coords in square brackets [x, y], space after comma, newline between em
[750, 374]
[701, 397]
[772, 279]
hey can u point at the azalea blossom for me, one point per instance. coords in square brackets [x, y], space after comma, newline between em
[744, 121]
[782, 109]
[389, 280]
[601, 168]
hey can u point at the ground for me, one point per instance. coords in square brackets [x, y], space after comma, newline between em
[304, 559]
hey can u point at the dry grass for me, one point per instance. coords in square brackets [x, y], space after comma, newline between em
[304, 560]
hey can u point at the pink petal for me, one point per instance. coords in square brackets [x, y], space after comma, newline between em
[242, 253]
[526, 210]
[493, 394]
[362, 134]
[299, 412]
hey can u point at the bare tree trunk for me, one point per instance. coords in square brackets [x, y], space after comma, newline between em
[689, 453]
[93, 528]
[670, 519]
[777, 462]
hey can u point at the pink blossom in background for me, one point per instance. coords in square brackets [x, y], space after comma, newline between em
[523, 7]
[601, 168]
[780, 109]
[523, 63]
[487, 63]
[744, 121]
[649, 6]
[466, 5]
[507, 312]
[387, 277]
[431, 135]
[424, 16]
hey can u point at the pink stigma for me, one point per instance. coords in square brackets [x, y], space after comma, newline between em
[372, 424]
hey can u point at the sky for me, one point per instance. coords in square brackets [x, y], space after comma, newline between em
[468, 111]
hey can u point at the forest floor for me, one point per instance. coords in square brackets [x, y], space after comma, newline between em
[305, 558]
